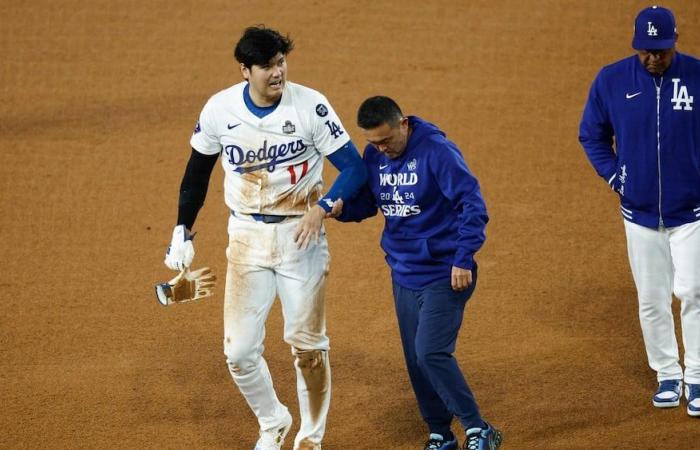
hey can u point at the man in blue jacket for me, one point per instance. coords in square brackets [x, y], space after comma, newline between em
[641, 132]
[434, 224]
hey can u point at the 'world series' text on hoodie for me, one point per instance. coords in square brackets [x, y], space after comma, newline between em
[655, 166]
[434, 213]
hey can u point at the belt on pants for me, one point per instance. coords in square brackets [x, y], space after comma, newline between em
[266, 218]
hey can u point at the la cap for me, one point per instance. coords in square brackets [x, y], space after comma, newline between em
[654, 29]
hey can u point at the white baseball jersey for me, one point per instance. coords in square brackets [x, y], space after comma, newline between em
[272, 165]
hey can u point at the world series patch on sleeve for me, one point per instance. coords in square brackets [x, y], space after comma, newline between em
[187, 286]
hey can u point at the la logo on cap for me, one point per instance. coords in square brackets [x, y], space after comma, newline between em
[652, 31]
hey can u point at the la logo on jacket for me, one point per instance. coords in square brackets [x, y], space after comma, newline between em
[680, 95]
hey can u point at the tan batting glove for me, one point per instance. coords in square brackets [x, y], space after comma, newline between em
[187, 286]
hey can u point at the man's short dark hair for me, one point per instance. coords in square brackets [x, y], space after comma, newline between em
[376, 111]
[259, 45]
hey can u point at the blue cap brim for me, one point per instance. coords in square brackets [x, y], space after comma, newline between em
[653, 44]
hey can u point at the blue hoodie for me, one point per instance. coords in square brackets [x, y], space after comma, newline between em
[655, 123]
[434, 213]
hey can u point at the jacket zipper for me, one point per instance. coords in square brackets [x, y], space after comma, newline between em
[658, 141]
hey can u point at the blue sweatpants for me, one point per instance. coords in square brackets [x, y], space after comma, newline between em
[429, 321]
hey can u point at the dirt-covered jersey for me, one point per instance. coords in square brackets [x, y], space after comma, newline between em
[273, 165]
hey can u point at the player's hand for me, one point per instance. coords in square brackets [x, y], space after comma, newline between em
[309, 227]
[461, 278]
[180, 253]
[336, 210]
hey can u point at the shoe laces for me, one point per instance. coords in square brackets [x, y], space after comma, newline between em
[473, 441]
[434, 443]
[668, 385]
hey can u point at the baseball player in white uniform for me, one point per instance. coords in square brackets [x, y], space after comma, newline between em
[272, 135]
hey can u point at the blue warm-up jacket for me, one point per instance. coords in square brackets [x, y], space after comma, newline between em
[654, 123]
[434, 213]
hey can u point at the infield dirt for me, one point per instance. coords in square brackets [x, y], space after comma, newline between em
[98, 100]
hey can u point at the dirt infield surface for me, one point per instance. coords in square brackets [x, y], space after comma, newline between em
[98, 100]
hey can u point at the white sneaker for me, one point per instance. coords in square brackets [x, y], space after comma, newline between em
[273, 438]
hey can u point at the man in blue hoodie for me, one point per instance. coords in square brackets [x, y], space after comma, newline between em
[641, 132]
[434, 224]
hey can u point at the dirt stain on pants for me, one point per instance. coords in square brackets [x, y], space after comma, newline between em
[314, 368]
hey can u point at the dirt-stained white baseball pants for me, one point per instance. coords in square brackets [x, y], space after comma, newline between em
[664, 262]
[264, 262]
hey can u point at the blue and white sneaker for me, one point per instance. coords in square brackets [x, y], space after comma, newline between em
[692, 393]
[488, 438]
[438, 442]
[669, 394]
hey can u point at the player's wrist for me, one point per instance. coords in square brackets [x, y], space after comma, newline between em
[326, 204]
[183, 230]
[319, 210]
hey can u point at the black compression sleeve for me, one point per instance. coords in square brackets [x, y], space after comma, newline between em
[193, 189]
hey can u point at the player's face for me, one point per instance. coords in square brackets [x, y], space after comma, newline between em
[389, 140]
[266, 81]
[656, 61]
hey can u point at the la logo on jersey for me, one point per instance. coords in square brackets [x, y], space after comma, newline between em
[680, 96]
[397, 196]
[651, 31]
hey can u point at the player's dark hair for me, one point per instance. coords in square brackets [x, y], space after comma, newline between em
[259, 45]
[376, 111]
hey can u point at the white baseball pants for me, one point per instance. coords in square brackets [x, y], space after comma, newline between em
[263, 262]
[664, 262]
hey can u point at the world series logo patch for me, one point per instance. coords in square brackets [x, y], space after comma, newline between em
[321, 110]
[288, 127]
